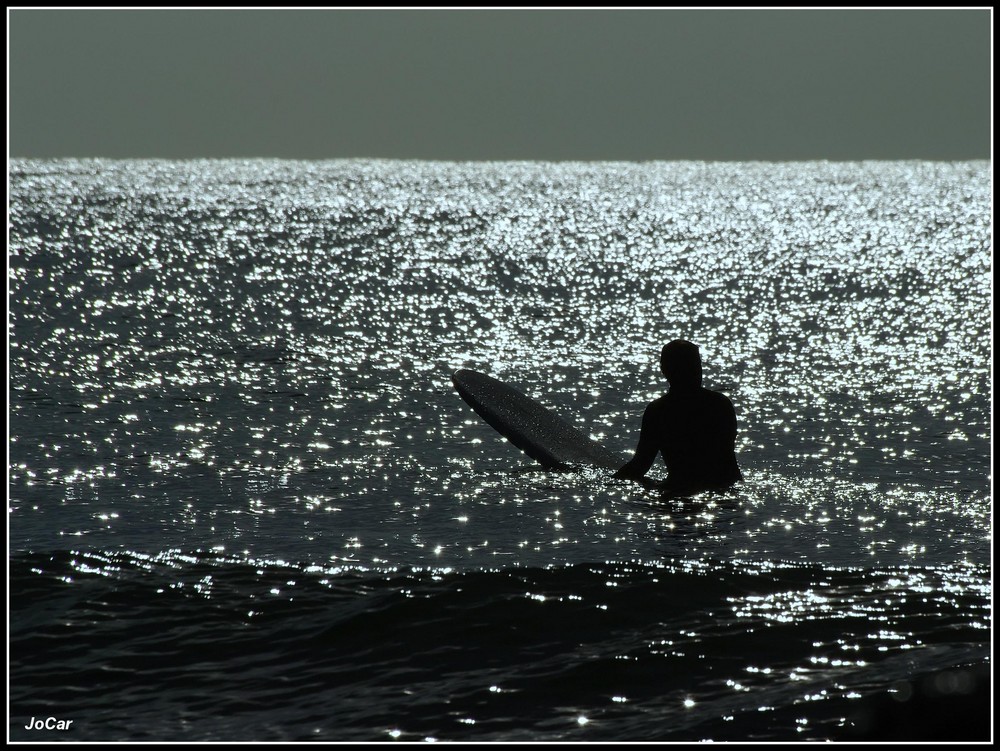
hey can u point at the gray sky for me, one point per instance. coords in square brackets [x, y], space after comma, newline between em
[551, 85]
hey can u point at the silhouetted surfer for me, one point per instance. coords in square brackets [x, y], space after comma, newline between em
[693, 428]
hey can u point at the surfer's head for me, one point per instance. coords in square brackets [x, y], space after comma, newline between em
[680, 362]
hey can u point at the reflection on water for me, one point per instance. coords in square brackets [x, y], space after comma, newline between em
[230, 394]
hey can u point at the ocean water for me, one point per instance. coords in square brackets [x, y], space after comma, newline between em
[247, 504]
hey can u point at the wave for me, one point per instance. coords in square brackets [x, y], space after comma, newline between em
[198, 646]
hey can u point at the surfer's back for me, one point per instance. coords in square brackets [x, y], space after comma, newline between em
[694, 430]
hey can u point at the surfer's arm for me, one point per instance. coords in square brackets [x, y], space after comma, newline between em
[645, 452]
[637, 467]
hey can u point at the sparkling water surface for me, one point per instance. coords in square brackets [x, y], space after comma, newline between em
[231, 407]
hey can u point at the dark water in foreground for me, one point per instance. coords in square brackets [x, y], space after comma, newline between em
[245, 503]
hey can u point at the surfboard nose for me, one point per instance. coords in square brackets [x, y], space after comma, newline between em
[459, 376]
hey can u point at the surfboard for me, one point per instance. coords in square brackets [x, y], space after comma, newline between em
[533, 428]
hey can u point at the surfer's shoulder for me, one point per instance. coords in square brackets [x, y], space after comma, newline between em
[719, 398]
[658, 405]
